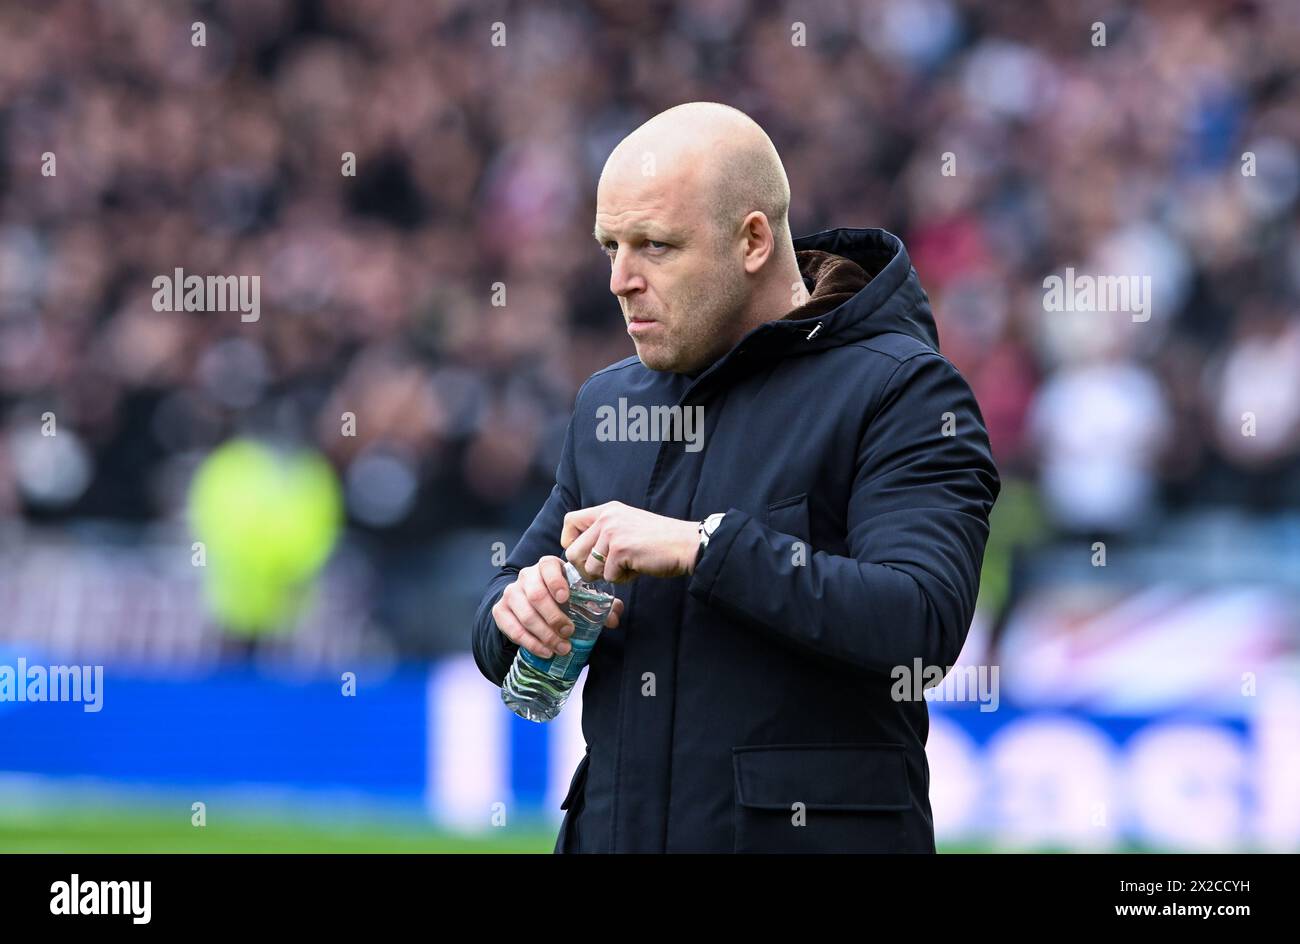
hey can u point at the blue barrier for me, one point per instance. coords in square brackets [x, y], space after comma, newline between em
[439, 736]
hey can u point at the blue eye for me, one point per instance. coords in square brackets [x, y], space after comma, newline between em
[611, 248]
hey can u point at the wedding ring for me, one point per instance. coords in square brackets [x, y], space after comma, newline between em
[599, 556]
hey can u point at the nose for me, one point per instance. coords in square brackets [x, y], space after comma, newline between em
[624, 279]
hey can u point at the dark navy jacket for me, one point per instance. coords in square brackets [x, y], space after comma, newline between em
[854, 468]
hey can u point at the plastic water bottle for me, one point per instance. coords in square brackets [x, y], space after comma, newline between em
[536, 688]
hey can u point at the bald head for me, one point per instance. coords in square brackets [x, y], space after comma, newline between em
[692, 210]
[716, 153]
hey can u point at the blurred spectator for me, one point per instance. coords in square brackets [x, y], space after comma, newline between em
[1170, 151]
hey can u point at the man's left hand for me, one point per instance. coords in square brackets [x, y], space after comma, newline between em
[633, 542]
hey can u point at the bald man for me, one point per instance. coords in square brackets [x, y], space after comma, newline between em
[786, 571]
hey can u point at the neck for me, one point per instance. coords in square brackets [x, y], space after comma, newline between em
[771, 301]
[780, 293]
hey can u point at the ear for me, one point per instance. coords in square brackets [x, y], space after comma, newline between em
[759, 242]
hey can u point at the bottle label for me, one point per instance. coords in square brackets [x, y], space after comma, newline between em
[566, 667]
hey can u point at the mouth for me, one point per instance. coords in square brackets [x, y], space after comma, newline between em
[639, 326]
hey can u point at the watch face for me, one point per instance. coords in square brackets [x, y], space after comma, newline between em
[707, 527]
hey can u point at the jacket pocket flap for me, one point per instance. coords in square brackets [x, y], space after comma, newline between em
[822, 776]
[789, 516]
[578, 782]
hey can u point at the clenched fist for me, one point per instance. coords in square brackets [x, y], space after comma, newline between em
[529, 614]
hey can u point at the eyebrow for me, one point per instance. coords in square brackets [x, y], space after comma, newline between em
[649, 232]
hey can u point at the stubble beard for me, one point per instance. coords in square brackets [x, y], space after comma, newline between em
[703, 320]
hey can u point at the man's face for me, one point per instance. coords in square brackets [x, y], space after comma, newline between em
[681, 285]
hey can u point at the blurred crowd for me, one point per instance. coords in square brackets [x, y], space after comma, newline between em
[1003, 142]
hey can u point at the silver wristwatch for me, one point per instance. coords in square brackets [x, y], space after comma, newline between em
[707, 527]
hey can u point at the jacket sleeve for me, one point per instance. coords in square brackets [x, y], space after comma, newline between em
[493, 652]
[917, 523]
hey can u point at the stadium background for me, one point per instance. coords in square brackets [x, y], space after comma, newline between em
[1150, 703]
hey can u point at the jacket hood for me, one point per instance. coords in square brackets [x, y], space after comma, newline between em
[861, 285]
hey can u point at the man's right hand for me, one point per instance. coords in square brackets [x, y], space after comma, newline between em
[529, 611]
